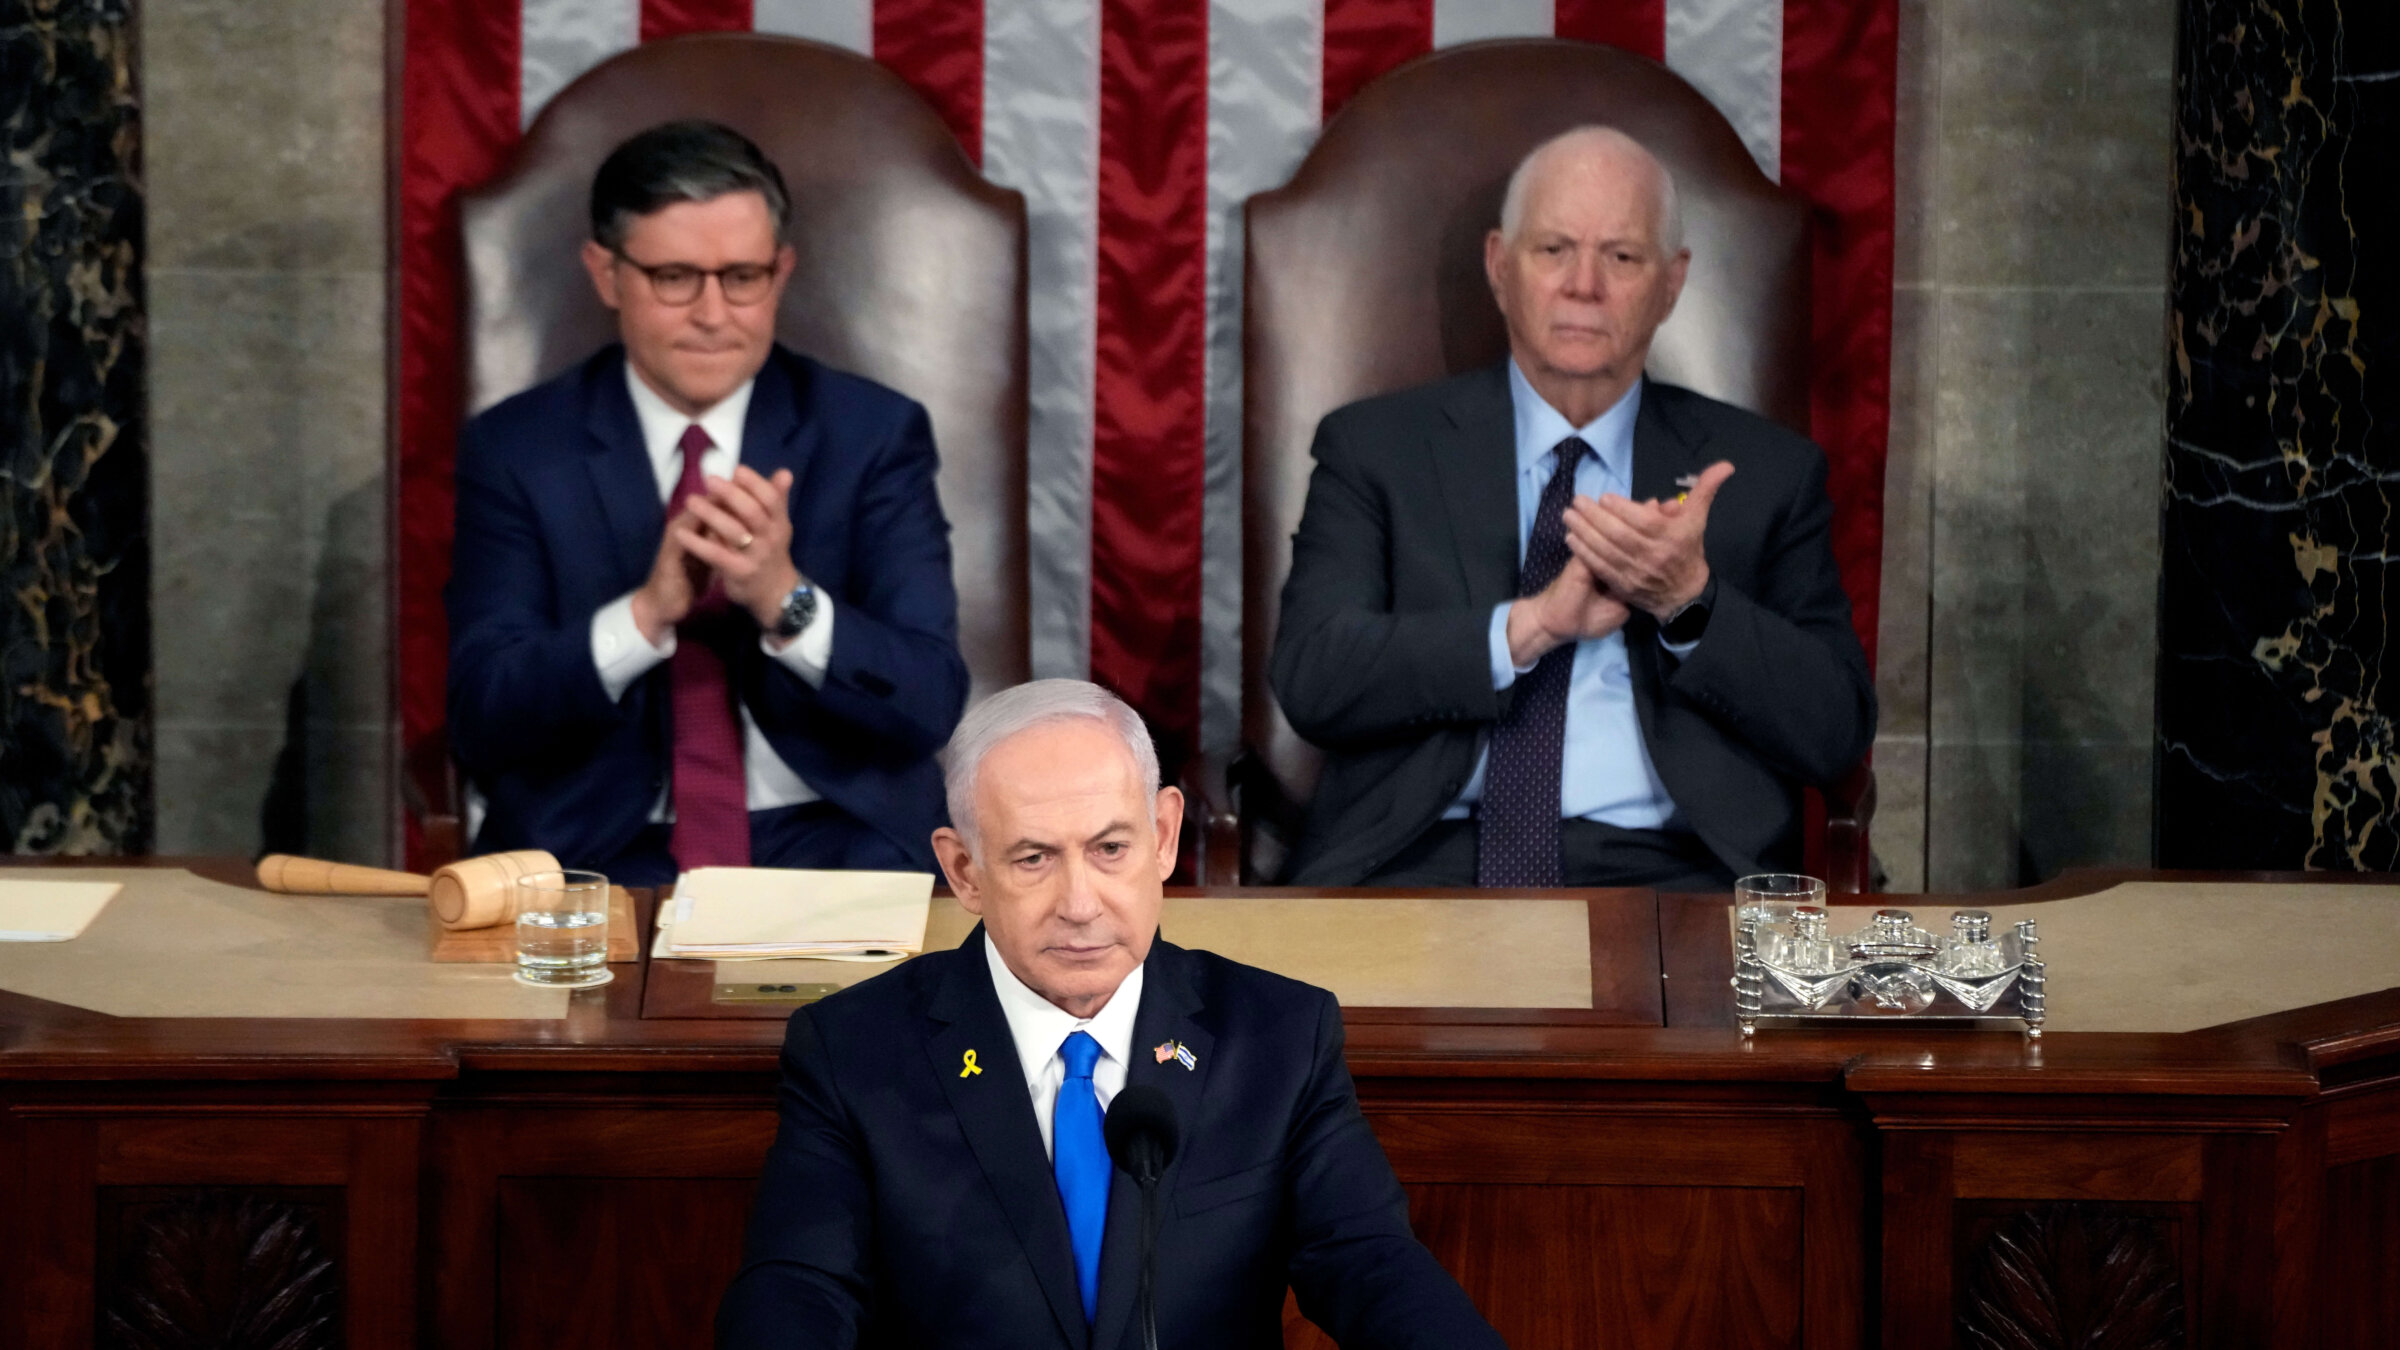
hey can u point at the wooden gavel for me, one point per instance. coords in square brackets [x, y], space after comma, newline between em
[470, 893]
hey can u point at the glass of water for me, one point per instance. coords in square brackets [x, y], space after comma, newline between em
[1770, 897]
[562, 930]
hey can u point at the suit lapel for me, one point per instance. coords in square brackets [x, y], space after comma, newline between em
[777, 433]
[1664, 458]
[997, 1120]
[1475, 463]
[621, 471]
[1169, 1004]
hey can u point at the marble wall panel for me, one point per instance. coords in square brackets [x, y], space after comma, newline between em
[2276, 732]
[75, 730]
[269, 308]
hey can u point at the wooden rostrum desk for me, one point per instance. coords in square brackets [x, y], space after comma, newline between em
[1627, 1173]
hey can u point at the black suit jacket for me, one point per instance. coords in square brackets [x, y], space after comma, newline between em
[559, 514]
[907, 1202]
[1409, 538]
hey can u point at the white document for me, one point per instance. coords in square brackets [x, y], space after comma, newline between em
[51, 911]
[760, 911]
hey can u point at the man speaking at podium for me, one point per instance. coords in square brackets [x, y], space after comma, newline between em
[700, 600]
[940, 1177]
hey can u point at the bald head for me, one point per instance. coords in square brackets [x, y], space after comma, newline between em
[1587, 263]
[1606, 160]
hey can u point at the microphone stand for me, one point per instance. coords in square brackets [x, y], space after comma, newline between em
[1149, 1296]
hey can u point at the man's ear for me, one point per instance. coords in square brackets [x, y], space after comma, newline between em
[1495, 252]
[958, 866]
[1679, 268]
[1168, 814]
[602, 265]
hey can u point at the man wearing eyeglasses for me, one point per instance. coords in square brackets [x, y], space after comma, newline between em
[701, 611]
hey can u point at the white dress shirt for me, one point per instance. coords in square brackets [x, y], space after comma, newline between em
[623, 655]
[1039, 1027]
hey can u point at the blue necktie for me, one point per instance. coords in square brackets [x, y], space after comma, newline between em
[1517, 834]
[1079, 1158]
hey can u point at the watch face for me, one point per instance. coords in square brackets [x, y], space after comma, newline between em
[798, 608]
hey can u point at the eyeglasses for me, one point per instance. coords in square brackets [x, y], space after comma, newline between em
[680, 283]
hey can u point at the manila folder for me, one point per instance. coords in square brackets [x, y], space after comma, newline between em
[749, 910]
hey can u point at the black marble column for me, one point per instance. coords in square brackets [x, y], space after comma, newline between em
[2283, 440]
[75, 752]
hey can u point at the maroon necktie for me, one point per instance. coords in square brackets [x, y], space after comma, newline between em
[712, 806]
[1516, 832]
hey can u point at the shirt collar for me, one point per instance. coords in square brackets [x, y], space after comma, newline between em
[1037, 1025]
[662, 425]
[1541, 427]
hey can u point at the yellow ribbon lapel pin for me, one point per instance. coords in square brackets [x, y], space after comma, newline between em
[971, 1066]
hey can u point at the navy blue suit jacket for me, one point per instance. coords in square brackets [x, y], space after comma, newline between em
[559, 514]
[907, 1202]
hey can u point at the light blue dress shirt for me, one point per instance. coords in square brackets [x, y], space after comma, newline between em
[1607, 775]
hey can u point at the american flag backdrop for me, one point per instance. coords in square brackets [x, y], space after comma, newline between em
[1135, 129]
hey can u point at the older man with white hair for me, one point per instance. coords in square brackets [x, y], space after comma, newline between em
[940, 1177]
[1555, 623]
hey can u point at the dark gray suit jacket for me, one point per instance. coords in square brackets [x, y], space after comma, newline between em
[1409, 538]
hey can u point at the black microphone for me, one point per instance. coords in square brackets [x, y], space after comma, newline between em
[1142, 1135]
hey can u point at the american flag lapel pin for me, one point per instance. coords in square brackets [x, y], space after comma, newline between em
[1164, 1051]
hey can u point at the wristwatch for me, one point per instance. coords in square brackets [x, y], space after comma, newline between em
[1689, 619]
[798, 608]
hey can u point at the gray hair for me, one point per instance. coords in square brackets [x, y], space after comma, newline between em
[1022, 708]
[1520, 183]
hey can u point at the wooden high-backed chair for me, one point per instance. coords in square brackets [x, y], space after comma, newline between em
[911, 272]
[1364, 275]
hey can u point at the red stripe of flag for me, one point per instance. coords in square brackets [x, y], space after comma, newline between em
[458, 121]
[1148, 423]
[937, 46]
[1840, 64]
[1637, 26]
[1365, 38]
[674, 18]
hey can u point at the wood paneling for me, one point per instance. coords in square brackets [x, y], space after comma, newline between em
[2359, 1263]
[2070, 1166]
[604, 1262]
[1568, 1267]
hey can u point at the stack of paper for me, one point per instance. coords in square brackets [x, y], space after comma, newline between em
[51, 911]
[726, 913]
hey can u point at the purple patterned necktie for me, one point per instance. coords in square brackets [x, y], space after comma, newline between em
[1517, 825]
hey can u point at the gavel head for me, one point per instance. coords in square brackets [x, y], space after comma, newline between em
[481, 892]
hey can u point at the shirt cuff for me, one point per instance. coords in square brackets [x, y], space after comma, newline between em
[619, 651]
[1680, 649]
[1504, 671]
[811, 652]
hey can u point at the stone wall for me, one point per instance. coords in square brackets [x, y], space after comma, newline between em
[267, 304]
[2021, 535]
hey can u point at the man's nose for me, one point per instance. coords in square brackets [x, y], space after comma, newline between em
[1584, 275]
[709, 307]
[1080, 900]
